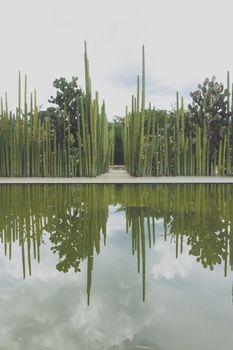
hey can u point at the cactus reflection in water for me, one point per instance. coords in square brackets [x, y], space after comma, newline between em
[31, 215]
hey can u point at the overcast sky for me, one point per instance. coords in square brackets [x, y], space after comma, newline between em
[185, 42]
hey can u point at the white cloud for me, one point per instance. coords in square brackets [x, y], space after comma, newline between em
[168, 266]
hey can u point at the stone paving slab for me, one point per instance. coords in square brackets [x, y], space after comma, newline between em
[119, 177]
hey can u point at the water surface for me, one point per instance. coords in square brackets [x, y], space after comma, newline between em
[116, 267]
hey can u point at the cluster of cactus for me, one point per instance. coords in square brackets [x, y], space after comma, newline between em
[134, 130]
[194, 142]
[29, 146]
[197, 141]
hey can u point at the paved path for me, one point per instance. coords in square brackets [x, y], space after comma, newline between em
[117, 177]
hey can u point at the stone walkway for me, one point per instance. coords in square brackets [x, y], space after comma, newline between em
[118, 177]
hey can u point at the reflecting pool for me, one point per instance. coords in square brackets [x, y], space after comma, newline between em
[116, 267]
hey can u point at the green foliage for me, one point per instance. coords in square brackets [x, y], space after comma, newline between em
[118, 124]
[210, 106]
[66, 104]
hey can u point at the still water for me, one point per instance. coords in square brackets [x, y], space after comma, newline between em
[116, 267]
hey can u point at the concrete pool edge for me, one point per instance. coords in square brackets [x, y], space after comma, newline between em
[119, 179]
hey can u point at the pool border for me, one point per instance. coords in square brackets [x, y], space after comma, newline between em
[105, 179]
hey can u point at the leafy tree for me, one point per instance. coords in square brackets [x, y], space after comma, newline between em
[67, 237]
[209, 104]
[118, 123]
[66, 103]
